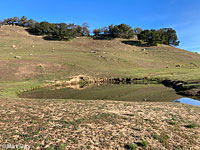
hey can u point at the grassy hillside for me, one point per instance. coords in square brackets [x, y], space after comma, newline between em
[26, 61]
[42, 59]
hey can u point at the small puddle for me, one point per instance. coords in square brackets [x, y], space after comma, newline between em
[190, 101]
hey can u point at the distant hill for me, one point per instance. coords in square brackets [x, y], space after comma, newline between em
[24, 56]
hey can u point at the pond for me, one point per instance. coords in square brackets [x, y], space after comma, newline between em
[121, 92]
[190, 101]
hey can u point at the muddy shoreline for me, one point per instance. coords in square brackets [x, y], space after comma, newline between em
[190, 88]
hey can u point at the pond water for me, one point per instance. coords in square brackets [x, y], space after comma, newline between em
[122, 92]
[190, 101]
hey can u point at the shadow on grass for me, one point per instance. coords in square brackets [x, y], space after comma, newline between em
[49, 38]
[135, 43]
[32, 33]
[103, 38]
[45, 37]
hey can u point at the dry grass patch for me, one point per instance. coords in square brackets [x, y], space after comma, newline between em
[64, 124]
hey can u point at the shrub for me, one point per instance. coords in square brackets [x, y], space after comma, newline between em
[191, 125]
[143, 143]
[130, 146]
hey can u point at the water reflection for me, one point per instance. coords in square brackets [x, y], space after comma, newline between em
[189, 101]
[122, 92]
[78, 86]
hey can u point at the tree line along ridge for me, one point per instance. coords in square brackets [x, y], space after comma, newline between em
[63, 31]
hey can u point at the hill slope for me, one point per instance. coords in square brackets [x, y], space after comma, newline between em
[42, 59]
[65, 124]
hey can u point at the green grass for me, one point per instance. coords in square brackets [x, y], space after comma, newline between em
[130, 146]
[173, 122]
[60, 147]
[13, 89]
[193, 125]
[143, 144]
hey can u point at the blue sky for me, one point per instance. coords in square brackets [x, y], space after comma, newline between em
[182, 15]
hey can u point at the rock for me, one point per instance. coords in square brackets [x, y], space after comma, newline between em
[143, 49]
[194, 64]
[178, 65]
[94, 52]
[17, 57]
[101, 57]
